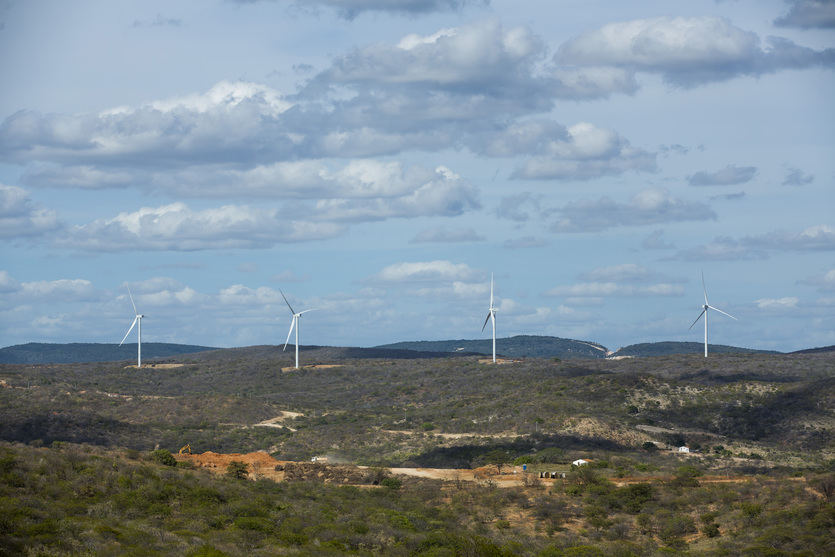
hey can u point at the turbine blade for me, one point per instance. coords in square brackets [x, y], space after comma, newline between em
[131, 302]
[491, 290]
[704, 288]
[290, 332]
[288, 303]
[722, 312]
[132, 325]
[305, 311]
[489, 313]
[697, 319]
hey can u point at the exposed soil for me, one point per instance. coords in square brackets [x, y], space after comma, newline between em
[311, 366]
[498, 361]
[156, 366]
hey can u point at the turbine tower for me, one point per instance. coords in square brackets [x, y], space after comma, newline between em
[294, 324]
[491, 314]
[706, 307]
[137, 321]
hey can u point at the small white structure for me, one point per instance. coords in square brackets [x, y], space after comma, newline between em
[579, 462]
[683, 449]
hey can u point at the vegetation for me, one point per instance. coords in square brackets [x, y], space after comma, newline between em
[43, 353]
[84, 500]
[86, 462]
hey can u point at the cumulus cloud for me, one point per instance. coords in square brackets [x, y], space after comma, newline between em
[231, 122]
[808, 14]
[584, 151]
[447, 235]
[815, 238]
[728, 176]
[473, 55]
[796, 177]
[722, 248]
[20, 217]
[687, 51]
[439, 270]
[445, 194]
[650, 206]
[824, 282]
[177, 227]
[725, 248]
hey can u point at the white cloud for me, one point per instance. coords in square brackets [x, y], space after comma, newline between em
[483, 53]
[176, 227]
[20, 217]
[8, 283]
[815, 238]
[61, 289]
[728, 176]
[585, 152]
[789, 302]
[809, 14]
[687, 51]
[649, 206]
[439, 270]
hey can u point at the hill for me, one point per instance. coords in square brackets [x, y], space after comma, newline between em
[819, 350]
[668, 348]
[529, 346]
[76, 352]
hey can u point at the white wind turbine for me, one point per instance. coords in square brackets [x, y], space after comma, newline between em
[491, 314]
[294, 323]
[136, 321]
[706, 307]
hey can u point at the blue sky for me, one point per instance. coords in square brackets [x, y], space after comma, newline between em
[378, 159]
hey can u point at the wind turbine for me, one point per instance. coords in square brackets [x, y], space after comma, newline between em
[136, 320]
[294, 323]
[706, 307]
[491, 314]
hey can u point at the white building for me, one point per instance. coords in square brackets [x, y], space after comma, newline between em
[579, 462]
[684, 449]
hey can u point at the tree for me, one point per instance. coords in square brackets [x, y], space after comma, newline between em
[238, 470]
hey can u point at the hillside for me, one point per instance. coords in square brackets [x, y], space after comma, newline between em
[521, 346]
[44, 353]
[81, 474]
[669, 348]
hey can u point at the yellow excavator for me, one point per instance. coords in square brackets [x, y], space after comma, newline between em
[185, 449]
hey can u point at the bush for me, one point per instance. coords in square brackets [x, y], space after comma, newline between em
[391, 483]
[164, 457]
[238, 470]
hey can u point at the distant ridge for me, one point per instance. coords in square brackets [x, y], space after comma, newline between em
[667, 348]
[815, 350]
[76, 352]
[530, 346]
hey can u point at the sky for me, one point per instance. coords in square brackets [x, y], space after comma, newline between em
[380, 160]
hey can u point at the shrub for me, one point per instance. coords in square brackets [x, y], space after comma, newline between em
[238, 470]
[162, 456]
[391, 483]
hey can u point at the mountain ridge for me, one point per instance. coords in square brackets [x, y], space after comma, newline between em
[519, 346]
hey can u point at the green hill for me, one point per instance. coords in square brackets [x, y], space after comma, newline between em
[520, 346]
[45, 353]
[669, 348]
